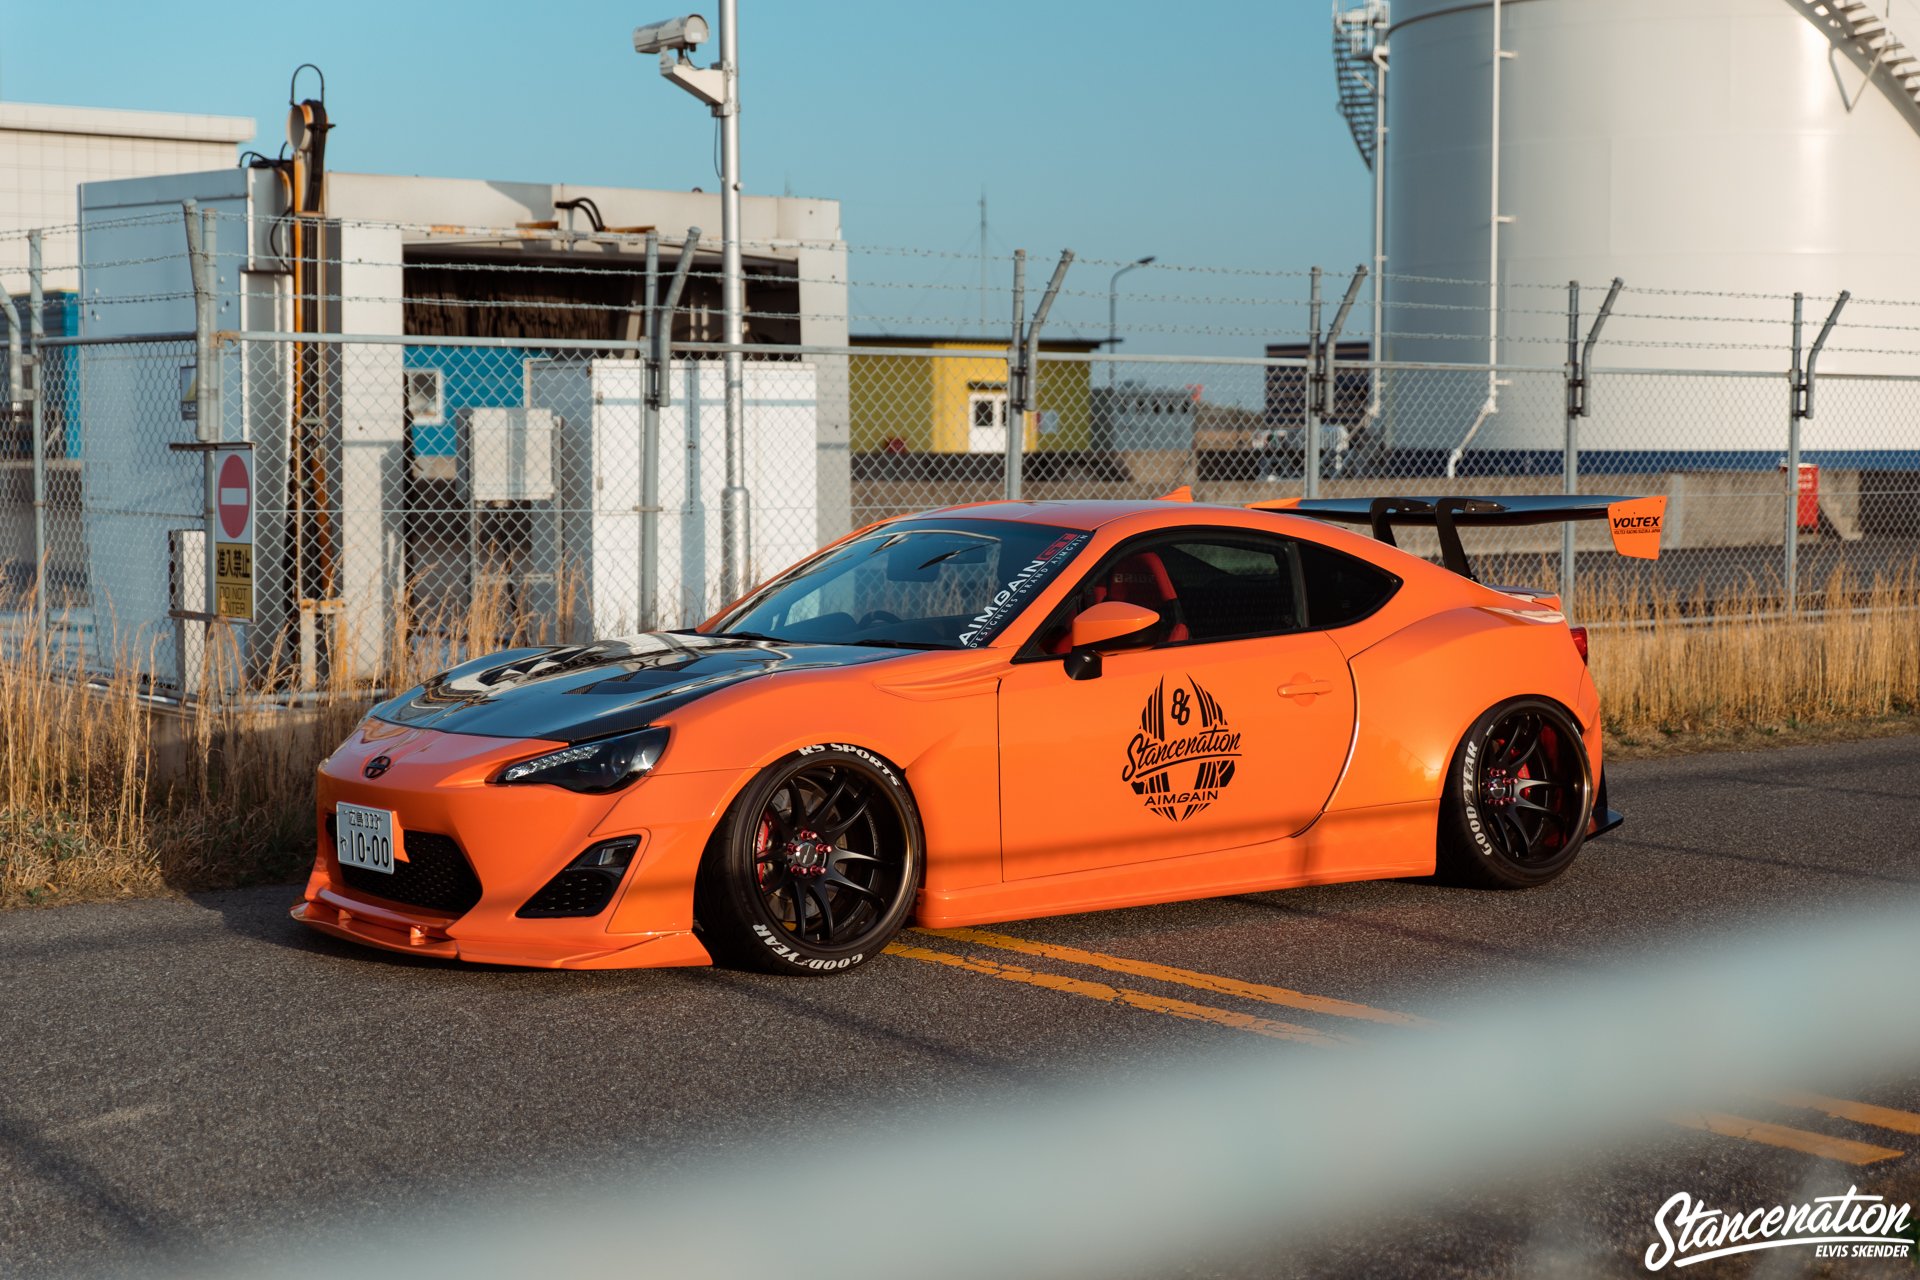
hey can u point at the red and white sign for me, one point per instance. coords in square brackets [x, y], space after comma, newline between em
[233, 533]
[235, 480]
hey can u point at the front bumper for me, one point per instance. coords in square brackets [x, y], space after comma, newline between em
[516, 839]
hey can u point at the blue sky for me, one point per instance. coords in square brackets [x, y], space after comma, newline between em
[1204, 133]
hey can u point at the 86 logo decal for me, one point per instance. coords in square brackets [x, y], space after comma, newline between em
[1184, 754]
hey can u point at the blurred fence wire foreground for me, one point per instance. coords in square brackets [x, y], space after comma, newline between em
[463, 438]
[1184, 1166]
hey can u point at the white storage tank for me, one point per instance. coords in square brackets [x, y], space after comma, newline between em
[1734, 146]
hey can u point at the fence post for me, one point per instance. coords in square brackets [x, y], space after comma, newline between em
[1016, 381]
[658, 393]
[1033, 341]
[649, 442]
[1329, 349]
[1570, 444]
[37, 330]
[1801, 380]
[198, 229]
[16, 395]
[1579, 405]
[1310, 453]
[1790, 564]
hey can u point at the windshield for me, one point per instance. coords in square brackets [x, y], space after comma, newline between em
[916, 584]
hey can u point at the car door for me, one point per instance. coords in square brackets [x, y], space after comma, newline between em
[1229, 729]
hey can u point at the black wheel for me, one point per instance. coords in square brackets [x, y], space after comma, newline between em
[815, 867]
[1519, 797]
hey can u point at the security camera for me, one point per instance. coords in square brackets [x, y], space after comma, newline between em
[676, 36]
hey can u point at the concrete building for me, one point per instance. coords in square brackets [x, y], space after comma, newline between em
[1131, 416]
[374, 448]
[48, 152]
[925, 401]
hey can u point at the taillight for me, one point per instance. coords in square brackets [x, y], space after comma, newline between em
[1579, 635]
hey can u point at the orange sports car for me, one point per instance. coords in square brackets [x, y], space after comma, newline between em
[984, 713]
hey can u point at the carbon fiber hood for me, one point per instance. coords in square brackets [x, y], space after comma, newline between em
[572, 693]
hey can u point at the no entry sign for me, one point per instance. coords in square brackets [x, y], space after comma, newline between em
[233, 533]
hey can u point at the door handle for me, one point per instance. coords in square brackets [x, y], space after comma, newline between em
[1302, 687]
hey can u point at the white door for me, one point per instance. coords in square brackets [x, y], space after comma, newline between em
[987, 422]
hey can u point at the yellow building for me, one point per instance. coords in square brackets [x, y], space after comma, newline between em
[909, 401]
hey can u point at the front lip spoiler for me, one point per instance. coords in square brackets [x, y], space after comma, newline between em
[378, 926]
[357, 922]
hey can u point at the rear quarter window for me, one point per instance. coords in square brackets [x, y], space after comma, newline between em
[1341, 589]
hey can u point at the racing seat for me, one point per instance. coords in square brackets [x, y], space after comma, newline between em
[1140, 579]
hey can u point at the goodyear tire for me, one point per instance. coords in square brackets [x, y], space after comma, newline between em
[1518, 799]
[815, 866]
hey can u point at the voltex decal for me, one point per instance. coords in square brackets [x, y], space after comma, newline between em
[1185, 752]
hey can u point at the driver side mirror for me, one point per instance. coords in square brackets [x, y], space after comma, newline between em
[1099, 628]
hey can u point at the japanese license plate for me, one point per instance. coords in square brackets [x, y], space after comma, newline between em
[365, 837]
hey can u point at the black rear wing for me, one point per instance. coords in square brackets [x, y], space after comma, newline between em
[1635, 523]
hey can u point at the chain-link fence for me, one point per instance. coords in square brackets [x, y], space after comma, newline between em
[512, 447]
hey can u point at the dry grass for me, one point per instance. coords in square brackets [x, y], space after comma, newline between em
[1670, 666]
[106, 792]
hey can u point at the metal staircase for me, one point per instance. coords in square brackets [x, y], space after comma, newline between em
[1359, 30]
[1854, 22]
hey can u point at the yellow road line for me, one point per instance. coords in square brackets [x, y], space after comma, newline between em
[1183, 977]
[1122, 996]
[1845, 1150]
[1842, 1109]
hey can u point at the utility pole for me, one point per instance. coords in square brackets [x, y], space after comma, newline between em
[983, 259]
[735, 547]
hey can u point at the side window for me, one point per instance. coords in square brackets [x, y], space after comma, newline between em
[1339, 588]
[1229, 588]
[1205, 587]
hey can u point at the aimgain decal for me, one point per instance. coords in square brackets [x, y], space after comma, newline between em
[1010, 598]
[1185, 753]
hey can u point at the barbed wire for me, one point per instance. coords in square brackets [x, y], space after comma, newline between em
[1407, 278]
[1726, 293]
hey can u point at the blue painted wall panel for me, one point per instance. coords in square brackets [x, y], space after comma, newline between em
[470, 378]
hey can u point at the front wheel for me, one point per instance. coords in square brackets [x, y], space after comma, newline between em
[815, 866]
[1518, 799]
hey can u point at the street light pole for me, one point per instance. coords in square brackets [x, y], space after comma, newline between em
[719, 87]
[1113, 310]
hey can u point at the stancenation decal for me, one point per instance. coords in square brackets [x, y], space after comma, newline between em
[1010, 598]
[1184, 754]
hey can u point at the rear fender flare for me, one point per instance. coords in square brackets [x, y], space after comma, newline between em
[1417, 692]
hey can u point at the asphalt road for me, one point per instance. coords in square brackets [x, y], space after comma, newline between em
[188, 1076]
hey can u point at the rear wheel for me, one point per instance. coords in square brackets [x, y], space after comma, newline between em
[1519, 797]
[815, 867]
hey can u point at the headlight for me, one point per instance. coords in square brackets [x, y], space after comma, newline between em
[592, 767]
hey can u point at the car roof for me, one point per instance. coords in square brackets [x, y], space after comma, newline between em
[1067, 514]
[1090, 514]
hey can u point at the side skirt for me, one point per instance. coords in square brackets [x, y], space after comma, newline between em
[1380, 842]
[1604, 819]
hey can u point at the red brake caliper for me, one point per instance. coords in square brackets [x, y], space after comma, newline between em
[762, 842]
